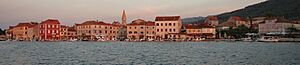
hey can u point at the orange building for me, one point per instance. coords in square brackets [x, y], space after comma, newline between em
[166, 25]
[24, 31]
[141, 29]
[95, 30]
[234, 22]
[212, 21]
[67, 33]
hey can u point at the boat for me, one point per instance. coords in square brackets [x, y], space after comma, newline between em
[248, 39]
[268, 39]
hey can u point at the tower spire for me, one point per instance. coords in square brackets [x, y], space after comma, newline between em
[123, 18]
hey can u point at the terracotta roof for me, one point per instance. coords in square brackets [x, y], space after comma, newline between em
[29, 25]
[237, 18]
[229, 24]
[63, 26]
[197, 26]
[50, 21]
[93, 23]
[212, 18]
[116, 23]
[167, 18]
[149, 23]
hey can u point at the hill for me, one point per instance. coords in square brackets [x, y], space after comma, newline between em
[192, 20]
[289, 9]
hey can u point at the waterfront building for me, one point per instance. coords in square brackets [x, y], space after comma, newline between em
[23, 31]
[97, 30]
[141, 29]
[212, 21]
[234, 22]
[49, 30]
[201, 31]
[275, 25]
[167, 24]
[67, 33]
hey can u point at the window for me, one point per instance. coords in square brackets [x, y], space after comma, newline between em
[166, 30]
[166, 24]
[157, 24]
[161, 24]
[53, 26]
[25, 32]
[135, 32]
[170, 30]
[161, 30]
[134, 27]
[170, 24]
[153, 32]
[174, 30]
[173, 24]
[130, 32]
[142, 27]
[129, 27]
[100, 31]
[157, 30]
[142, 32]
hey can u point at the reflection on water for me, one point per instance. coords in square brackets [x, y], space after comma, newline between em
[149, 53]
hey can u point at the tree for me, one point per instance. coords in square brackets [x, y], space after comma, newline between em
[239, 32]
[2, 32]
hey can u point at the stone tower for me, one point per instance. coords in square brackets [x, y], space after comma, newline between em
[124, 18]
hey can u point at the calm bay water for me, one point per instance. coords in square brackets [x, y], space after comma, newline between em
[149, 53]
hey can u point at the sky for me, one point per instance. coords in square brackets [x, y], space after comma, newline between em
[69, 12]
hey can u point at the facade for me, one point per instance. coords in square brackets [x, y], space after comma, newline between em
[234, 22]
[141, 29]
[67, 33]
[49, 30]
[95, 30]
[23, 31]
[167, 24]
[212, 21]
[202, 31]
[275, 25]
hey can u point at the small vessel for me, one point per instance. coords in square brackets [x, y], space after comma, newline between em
[248, 39]
[268, 39]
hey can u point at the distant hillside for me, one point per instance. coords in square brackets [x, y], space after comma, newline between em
[289, 9]
[193, 20]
